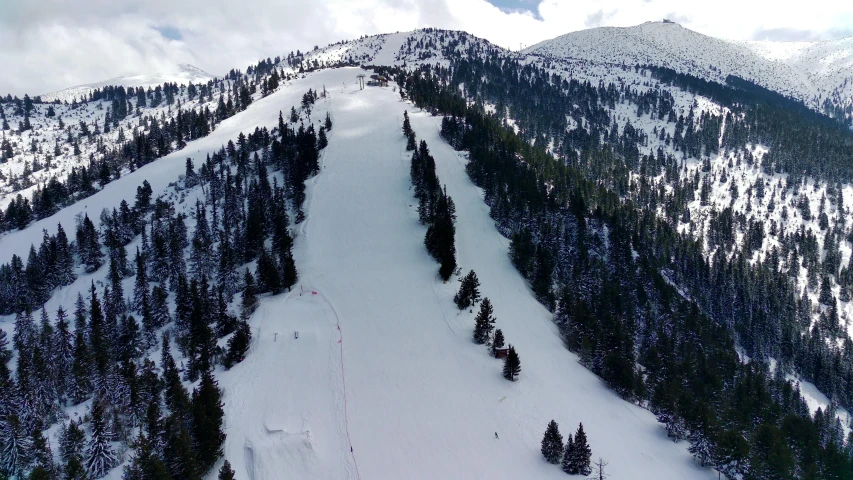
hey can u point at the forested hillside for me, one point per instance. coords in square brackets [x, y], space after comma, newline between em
[628, 289]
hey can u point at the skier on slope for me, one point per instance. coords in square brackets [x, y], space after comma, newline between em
[496, 435]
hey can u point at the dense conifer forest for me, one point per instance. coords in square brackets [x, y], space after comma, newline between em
[186, 281]
[628, 290]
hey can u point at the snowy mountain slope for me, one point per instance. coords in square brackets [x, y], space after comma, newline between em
[827, 64]
[181, 74]
[806, 71]
[422, 401]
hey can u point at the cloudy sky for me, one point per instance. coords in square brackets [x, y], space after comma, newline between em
[46, 45]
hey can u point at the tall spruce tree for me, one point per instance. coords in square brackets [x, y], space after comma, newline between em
[484, 322]
[81, 368]
[552, 443]
[238, 344]
[72, 441]
[62, 347]
[249, 297]
[140, 286]
[469, 291]
[16, 446]
[579, 458]
[207, 432]
[498, 341]
[64, 258]
[179, 456]
[226, 472]
[89, 246]
[512, 365]
[568, 454]
[100, 457]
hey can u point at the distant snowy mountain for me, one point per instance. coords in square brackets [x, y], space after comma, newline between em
[183, 74]
[423, 46]
[820, 74]
[810, 72]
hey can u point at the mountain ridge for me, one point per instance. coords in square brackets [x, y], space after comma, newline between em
[183, 73]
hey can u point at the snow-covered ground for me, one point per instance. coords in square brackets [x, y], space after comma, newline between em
[406, 388]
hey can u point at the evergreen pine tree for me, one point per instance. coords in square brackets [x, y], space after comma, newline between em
[81, 368]
[16, 446]
[89, 246]
[200, 341]
[289, 275]
[552, 443]
[160, 307]
[74, 469]
[249, 297]
[201, 255]
[178, 452]
[145, 464]
[25, 333]
[80, 313]
[176, 397]
[207, 432]
[140, 286]
[267, 273]
[825, 297]
[469, 291]
[72, 441]
[98, 335]
[226, 274]
[322, 141]
[498, 341]
[568, 455]
[580, 457]
[407, 126]
[238, 344]
[5, 353]
[62, 352]
[100, 457]
[148, 324]
[512, 365]
[41, 455]
[484, 322]
[130, 340]
[226, 472]
[64, 258]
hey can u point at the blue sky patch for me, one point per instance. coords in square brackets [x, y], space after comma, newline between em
[169, 32]
[518, 6]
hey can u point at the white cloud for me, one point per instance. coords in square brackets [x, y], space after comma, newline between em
[52, 44]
